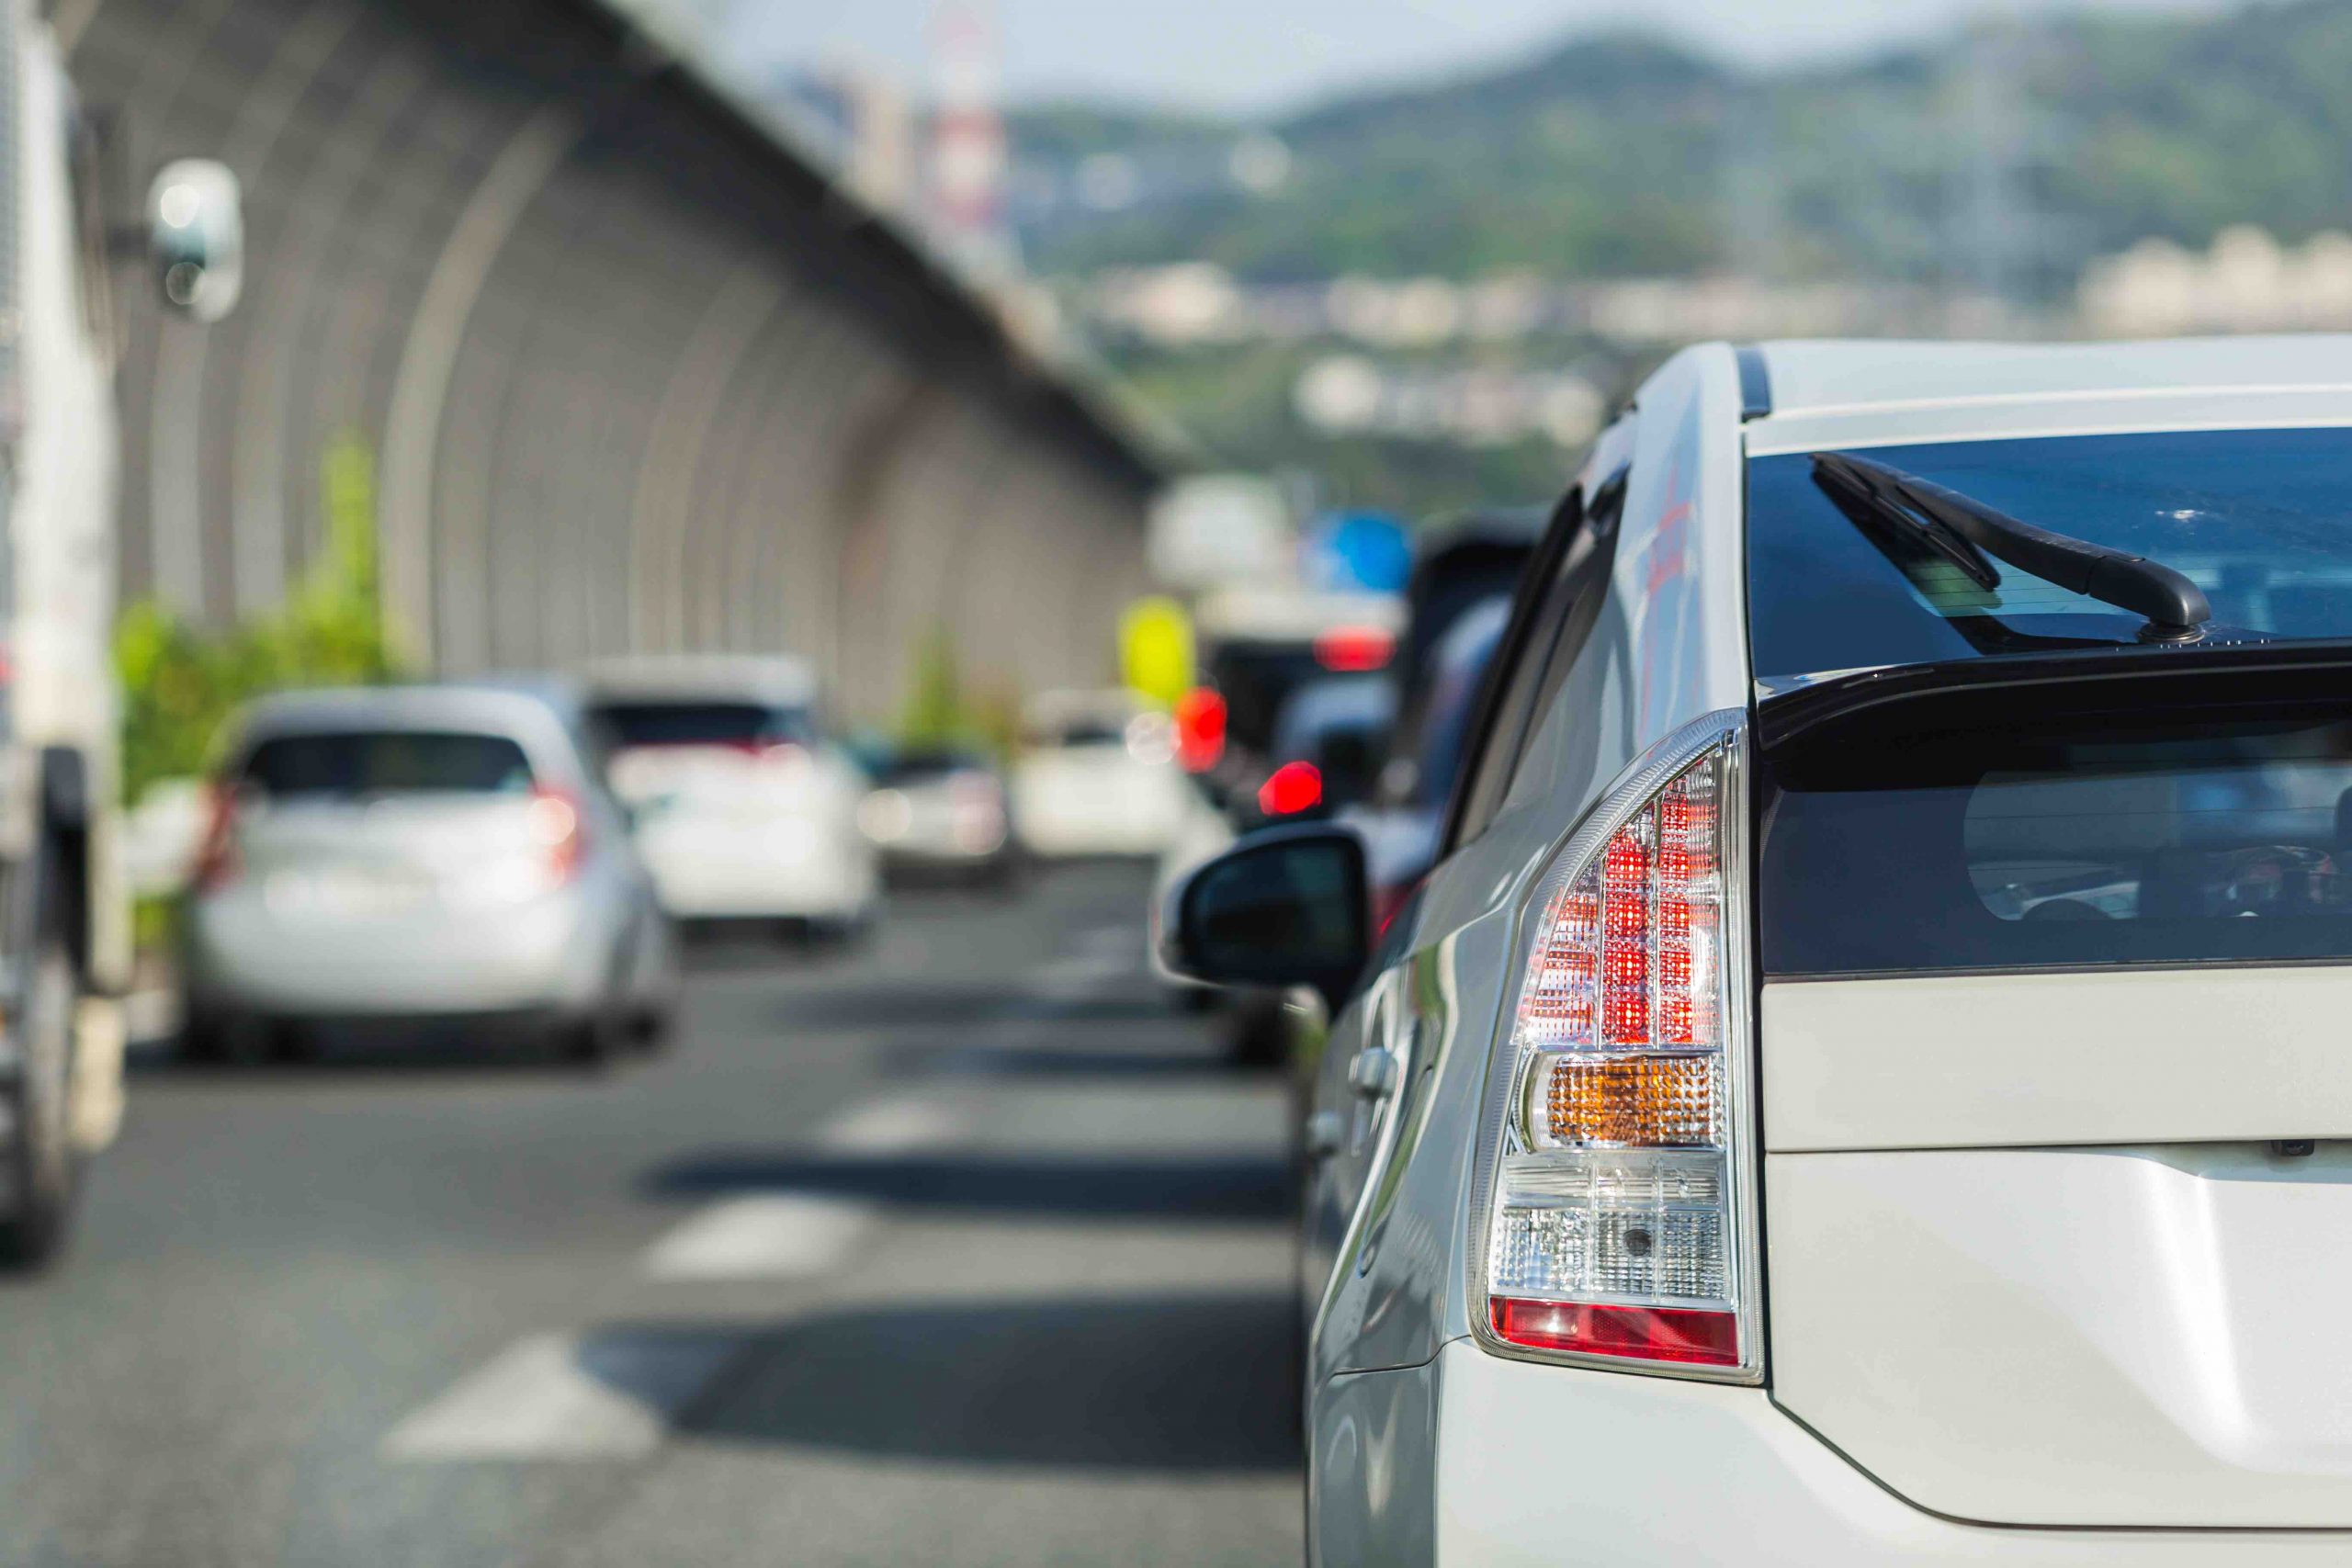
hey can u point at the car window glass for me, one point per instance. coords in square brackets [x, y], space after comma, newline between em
[717, 723]
[1494, 734]
[1584, 590]
[1568, 581]
[391, 762]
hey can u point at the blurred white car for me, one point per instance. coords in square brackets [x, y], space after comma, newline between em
[744, 807]
[419, 853]
[942, 810]
[1097, 776]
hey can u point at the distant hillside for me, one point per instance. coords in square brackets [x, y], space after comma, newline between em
[2003, 157]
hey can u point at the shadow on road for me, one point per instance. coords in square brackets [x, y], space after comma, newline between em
[1051, 1061]
[1236, 1187]
[1200, 1383]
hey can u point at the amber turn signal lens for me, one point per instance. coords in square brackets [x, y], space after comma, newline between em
[1642, 1101]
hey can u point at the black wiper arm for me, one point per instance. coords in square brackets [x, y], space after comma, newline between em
[1864, 496]
[2173, 606]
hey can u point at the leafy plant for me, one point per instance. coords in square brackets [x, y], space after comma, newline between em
[181, 681]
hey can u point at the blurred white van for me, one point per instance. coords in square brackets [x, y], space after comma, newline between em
[1097, 776]
[744, 806]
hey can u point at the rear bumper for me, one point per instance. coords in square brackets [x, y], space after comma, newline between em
[1547, 1465]
[547, 956]
[745, 876]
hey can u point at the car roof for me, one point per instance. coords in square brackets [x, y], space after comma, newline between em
[1853, 392]
[706, 677]
[538, 715]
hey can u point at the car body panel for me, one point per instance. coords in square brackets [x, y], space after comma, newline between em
[1955, 1061]
[2089, 1337]
[1867, 394]
[1539, 1466]
[1375, 1437]
[1393, 1286]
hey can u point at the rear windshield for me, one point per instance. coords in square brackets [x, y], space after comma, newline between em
[385, 761]
[650, 722]
[1079, 732]
[2260, 519]
[2195, 837]
[916, 765]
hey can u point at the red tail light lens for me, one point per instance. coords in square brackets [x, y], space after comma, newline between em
[1290, 789]
[557, 829]
[1656, 1333]
[1200, 730]
[1619, 1222]
[216, 857]
[1349, 649]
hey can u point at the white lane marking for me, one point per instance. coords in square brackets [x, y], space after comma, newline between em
[567, 1396]
[890, 1126]
[782, 1235]
[1100, 954]
[1077, 975]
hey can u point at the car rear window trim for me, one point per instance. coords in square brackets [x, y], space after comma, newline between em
[1787, 717]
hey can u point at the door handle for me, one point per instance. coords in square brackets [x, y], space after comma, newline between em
[1325, 1130]
[1372, 1075]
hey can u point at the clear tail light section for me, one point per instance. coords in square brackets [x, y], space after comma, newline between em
[1620, 1226]
[557, 831]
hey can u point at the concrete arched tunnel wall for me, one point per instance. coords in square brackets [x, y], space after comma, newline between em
[633, 377]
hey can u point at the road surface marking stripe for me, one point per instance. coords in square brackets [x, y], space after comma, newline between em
[567, 1396]
[890, 1126]
[784, 1235]
[1077, 975]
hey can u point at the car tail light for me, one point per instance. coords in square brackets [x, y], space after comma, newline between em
[1290, 789]
[1621, 1227]
[215, 863]
[1200, 730]
[558, 830]
[1352, 649]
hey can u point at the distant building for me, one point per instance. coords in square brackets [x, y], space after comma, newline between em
[2245, 281]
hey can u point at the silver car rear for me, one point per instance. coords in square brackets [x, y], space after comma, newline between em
[418, 853]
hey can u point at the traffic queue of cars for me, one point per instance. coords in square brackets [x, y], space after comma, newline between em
[515, 858]
[1860, 1077]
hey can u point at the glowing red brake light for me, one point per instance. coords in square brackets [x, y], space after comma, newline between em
[1200, 730]
[1290, 789]
[1349, 649]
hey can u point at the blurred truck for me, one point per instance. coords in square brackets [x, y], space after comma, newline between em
[65, 949]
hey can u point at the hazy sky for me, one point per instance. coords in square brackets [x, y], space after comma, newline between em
[1252, 54]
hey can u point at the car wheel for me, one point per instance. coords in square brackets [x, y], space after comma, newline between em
[41, 1167]
[651, 1028]
[205, 1038]
[594, 1041]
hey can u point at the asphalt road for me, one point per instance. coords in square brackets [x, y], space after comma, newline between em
[957, 1248]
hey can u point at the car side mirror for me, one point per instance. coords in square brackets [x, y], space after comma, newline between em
[196, 237]
[1284, 906]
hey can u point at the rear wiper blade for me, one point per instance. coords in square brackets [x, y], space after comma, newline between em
[1942, 519]
[1866, 498]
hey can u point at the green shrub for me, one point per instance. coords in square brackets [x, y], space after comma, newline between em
[181, 681]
